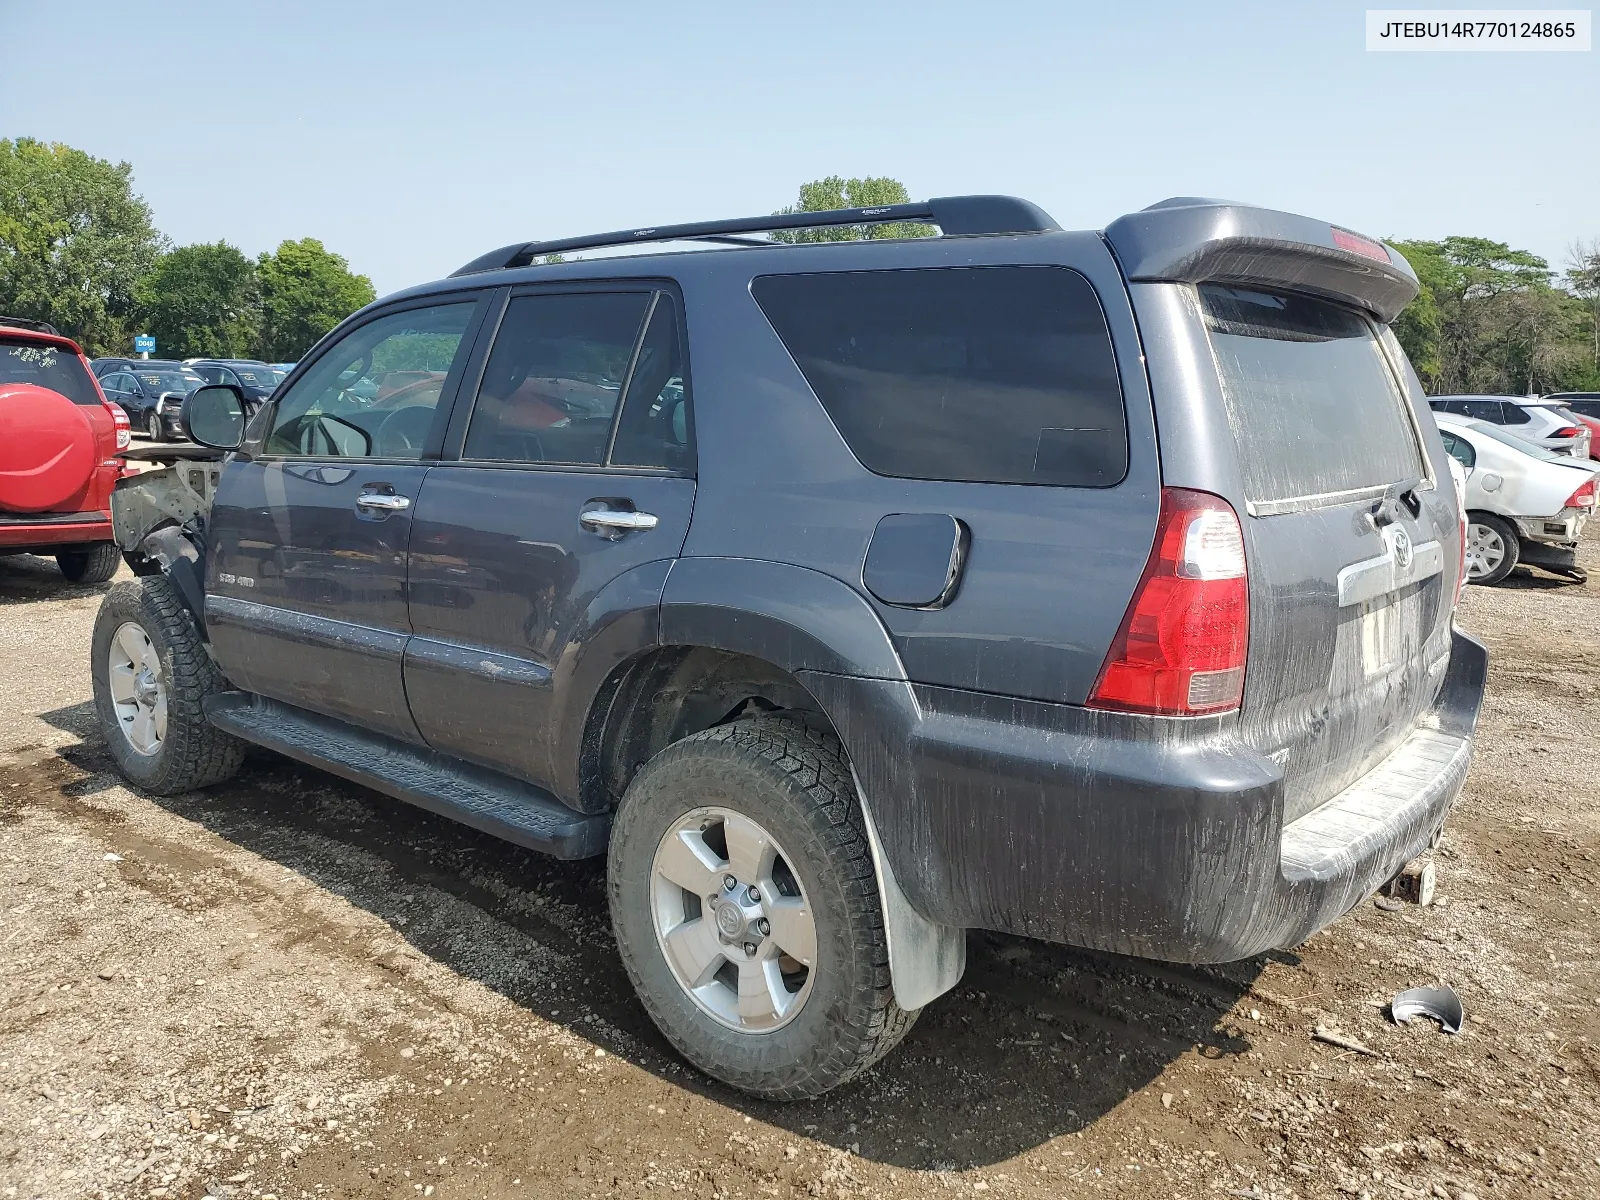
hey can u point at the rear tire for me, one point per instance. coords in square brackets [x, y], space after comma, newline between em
[791, 785]
[1493, 548]
[152, 427]
[95, 565]
[152, 674]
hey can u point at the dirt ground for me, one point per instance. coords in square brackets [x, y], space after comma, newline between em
[292, 987]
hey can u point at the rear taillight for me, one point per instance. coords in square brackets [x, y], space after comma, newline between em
[1357, 244]
[1584, 497]
[124, 430]
[1568, 431]
[1181, 648]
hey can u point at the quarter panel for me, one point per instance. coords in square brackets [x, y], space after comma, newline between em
[1050, 569]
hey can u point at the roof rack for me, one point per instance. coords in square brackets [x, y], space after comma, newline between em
[954, 215]
[24, 323]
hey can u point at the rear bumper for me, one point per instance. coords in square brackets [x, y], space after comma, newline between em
[26, 533]
[1131, 834]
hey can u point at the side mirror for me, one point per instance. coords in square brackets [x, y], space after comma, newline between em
[214, 416]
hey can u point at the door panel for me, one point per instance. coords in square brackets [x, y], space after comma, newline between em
[502, 574]
[307, 588]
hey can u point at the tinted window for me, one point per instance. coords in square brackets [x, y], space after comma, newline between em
[1314, 405]
[654, 428]
[1459, 449]
[988, 374]
[1587, 408]
[551, 384]
[1512, 414]
[374, 393]
[47, 366]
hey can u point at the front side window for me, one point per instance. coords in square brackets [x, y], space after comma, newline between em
[47, 366]
[553, 379]
[1314, 406]
[375, 392]
[981, 374]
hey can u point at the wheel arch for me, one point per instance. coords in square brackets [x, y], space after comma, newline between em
[670, 692]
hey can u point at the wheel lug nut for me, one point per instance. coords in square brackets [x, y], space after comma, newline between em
[763, 927]
[754, 894]
[749, 947]
[729, 882]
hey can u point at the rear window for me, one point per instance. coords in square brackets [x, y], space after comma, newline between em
[49, 367]
[981, 374]
[1314, 406]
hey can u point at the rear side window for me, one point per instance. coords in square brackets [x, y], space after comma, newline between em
[981, 374]
[1314, 405]
[550, 388]
[1459, 449]
[47, 366]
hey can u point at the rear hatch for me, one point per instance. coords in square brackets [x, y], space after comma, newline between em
[1346, 534]
[1279, 387]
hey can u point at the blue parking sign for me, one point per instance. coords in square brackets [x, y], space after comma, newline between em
[144, 343]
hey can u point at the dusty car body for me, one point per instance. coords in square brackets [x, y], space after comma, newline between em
[1524, 503]
[1093, 586]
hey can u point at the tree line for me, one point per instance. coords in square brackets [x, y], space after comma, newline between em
[79, 249]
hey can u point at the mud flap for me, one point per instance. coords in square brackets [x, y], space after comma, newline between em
[926, 960]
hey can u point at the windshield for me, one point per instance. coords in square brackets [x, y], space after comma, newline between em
[169, 381]
[261, 377]
[47, 366]
[1314, 405]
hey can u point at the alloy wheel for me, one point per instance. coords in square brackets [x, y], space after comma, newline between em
[732, 920]
[138, 689]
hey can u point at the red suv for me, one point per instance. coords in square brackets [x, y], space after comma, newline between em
[58, 445]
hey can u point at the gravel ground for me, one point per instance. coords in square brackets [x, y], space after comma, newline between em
[292, 987]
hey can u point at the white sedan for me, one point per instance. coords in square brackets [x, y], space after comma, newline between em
[1524, 504]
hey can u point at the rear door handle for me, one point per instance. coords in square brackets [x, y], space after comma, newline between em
[383, 502]
[618, 522]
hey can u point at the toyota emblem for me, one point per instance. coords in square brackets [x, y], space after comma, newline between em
[1400, 547]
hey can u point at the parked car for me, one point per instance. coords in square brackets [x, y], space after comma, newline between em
[58, 444]
[255, 380]
[1585, 407]
[889, 620]
[282, 369]
[1532, 420]
[1524, 503]
[1585, 404]
[152, 395]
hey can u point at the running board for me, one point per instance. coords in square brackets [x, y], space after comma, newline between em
[483, 799]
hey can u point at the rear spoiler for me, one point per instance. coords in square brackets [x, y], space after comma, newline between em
[1191, 240]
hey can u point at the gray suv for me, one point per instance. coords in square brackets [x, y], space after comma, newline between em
[1096, 587]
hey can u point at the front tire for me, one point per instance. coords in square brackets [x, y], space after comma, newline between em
[1493, 548]
[95, 565]
[718, 959]
[152, 675]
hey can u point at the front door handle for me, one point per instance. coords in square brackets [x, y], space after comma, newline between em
[383, 502]
[611, 520]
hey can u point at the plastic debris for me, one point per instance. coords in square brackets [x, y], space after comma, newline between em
[1440, 1003]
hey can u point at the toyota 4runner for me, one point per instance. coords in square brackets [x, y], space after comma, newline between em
[1096, 587]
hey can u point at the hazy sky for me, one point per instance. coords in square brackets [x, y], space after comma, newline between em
[412, 137]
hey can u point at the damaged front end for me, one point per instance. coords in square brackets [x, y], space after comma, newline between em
[159, 516]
